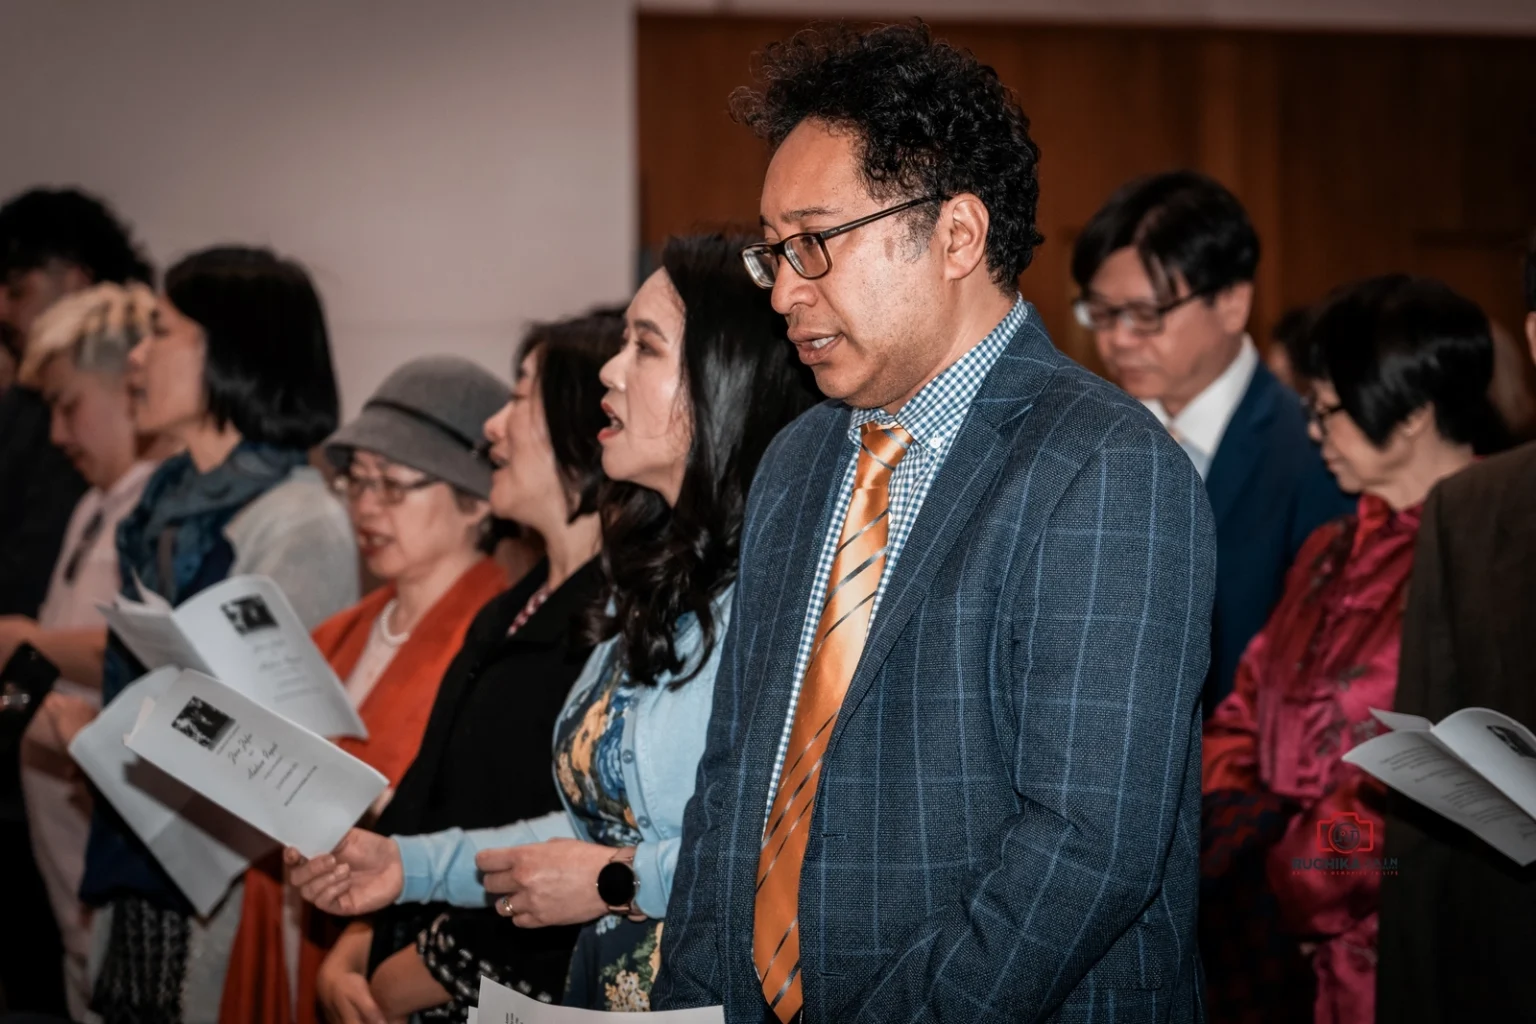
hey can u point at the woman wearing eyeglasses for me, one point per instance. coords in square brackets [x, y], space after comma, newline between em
[416, 488]
[703, 383]
[1399, 370]
[483, 758]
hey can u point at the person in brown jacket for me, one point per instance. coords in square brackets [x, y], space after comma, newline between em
[1458, 921]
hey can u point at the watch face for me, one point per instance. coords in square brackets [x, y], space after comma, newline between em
[616, 884]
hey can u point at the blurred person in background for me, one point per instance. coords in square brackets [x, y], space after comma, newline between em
[1458, 923]
[77, 356]
[52, 243]
[1166, 270]
[485, 759]
[703, 383]
[1398, 370]
[416, 486]
[1514, 382]
[237, 368]
[1285, 334]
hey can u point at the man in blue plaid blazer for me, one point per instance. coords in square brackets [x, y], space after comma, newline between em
[999, 818]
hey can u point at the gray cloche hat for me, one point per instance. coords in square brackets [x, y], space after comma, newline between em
[429, 414]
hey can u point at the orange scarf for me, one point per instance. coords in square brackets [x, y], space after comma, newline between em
[256, 986]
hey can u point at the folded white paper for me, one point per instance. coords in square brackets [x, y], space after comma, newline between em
[290, 783]
[502, 1005]
[201, 846]
[244, 633]
[1477, 768]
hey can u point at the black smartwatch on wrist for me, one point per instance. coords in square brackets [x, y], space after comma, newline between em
[617, 883]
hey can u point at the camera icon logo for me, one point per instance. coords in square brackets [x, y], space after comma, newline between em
[1345, 834]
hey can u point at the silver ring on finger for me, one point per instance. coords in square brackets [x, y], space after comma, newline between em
[504, 904]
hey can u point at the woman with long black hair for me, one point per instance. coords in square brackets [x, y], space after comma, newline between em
[704, 382]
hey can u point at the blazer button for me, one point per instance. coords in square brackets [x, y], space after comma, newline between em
[644, 822]
[629, 755]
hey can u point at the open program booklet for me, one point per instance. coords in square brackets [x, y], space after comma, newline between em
[202, 847]
[244, 633]
[1477, 768]
[502, 1005]
[291, 784]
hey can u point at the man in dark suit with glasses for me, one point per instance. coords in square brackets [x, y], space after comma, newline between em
[1166, 269]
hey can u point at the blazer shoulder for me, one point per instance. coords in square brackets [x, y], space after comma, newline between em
[1497, 481]
[1077, 415]
[802, 439]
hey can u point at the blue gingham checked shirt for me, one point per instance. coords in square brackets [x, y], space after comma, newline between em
[933, 418]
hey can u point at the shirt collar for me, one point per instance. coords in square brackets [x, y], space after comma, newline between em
[939, 408]
[1204, 420]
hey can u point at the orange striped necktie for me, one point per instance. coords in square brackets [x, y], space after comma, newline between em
[840, 632]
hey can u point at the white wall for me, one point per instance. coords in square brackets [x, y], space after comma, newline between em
[1474, 16]
[447, 171]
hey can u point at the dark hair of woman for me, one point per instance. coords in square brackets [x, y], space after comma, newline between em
[268, 366]
[1393, 344]
[570, 354]
[744, 384]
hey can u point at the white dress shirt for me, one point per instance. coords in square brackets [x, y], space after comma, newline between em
[1199, 426]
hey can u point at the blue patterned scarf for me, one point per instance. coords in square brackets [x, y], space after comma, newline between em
[188, 511]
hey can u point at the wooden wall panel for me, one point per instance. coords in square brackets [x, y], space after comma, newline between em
[1354, 153]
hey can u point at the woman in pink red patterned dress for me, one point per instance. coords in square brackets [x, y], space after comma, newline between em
[1399, 370]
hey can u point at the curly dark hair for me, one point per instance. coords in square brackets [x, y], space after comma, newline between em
[930, 119]
[71, 226]
[744, 384]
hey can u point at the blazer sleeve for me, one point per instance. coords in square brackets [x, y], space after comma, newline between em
[1101, 708]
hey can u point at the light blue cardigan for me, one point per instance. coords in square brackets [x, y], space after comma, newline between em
[663, 741]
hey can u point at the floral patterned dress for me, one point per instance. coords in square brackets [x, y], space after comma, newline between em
[616, 959]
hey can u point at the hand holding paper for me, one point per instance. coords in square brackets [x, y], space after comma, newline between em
[361, 875]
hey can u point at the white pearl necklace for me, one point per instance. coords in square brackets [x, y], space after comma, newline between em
[390, 637]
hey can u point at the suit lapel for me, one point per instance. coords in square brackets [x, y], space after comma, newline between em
[1234, 461]
[978, 453]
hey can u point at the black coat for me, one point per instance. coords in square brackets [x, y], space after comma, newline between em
[1458, 921]
[485, 760]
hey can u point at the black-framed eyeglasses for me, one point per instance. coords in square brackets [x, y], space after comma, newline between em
[807, 251]
[1145, 318]
[390, 491]
[1319, 415]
